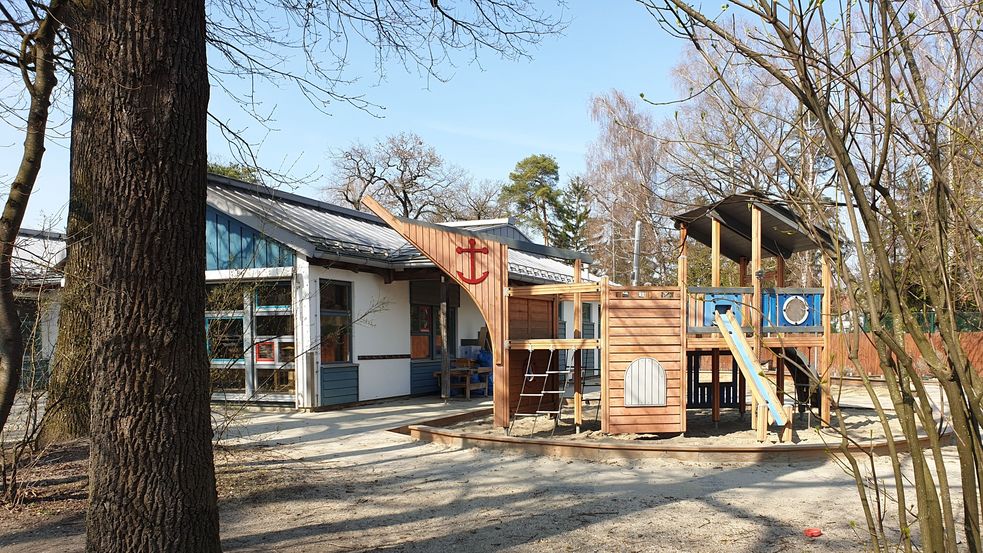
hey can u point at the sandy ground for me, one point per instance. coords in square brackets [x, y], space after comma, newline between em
[339, 481]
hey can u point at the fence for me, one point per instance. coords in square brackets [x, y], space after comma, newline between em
[972, 343]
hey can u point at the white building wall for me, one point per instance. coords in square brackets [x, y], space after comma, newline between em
[469, 320]
[381, 315]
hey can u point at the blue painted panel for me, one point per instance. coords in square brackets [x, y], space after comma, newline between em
[712, 301]
[339, 384]
[230, 244]
[771, 308]
[421, 377]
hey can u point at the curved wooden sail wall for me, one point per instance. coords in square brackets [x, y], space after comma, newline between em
[480, 265]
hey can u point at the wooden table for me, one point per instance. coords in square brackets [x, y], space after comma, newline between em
[461, 378]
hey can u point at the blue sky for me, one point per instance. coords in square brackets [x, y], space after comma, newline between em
[484, 119]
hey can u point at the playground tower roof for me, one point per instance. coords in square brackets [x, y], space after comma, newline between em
[782, 231]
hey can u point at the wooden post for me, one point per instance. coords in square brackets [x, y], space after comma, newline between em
[757, 421]
[780, 358]
[741, 383]
[605, 358]
[715, 353]
[755, 279]
[445, 358]
[762, 418]
[683, 296]
[786, 435]
[578, 384]
[825, 355]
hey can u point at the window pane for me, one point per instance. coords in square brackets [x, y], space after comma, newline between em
[274, 325]
[286, 352]
[335, 296]
[273, 294]
[229, 378]
[335, 338]
[420, 319]
[264, 352]
[224, 338]
[278, 380]
[226, 296]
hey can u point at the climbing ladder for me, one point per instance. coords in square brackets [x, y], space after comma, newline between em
[537, 385]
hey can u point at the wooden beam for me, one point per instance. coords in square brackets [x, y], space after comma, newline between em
[715, 384]
[762, 422]
[552, 289]
[605, 357]
[741, 383]
[552, 343]
[714, 252]
[825, 355]
[756, 280]
[683, 277]
[578, 384]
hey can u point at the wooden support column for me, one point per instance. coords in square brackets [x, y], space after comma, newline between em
[825, 356]
[715, 353]
[578, 382]
[741, 383]
[683, 275]
[780, 358]
[755, 310]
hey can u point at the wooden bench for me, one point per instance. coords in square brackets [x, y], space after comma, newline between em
[461, 379]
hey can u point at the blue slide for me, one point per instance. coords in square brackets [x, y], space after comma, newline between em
[762, 389]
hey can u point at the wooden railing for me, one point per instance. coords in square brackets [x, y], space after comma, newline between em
[702, 301]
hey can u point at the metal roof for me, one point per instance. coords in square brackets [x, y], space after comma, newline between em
[782, 232]
[37, 257]
[322, 230]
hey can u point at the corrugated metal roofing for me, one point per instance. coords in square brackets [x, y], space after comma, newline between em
[37, 257]
[331, 230]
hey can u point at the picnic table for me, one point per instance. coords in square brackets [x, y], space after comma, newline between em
[461, 378]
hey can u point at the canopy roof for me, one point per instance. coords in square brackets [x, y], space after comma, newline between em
[782, 232]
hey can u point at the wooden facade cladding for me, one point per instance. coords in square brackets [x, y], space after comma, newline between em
[643, 321]
[479, 264]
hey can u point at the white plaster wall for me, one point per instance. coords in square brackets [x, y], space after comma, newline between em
[49, 325]
[382, 332]
[469, 320]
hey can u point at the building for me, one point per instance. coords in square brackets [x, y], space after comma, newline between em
[317, 305]
[36, 267]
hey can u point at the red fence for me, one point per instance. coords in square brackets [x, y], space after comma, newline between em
[972, 343]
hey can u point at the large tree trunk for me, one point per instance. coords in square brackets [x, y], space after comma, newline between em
[67, 414]
[142, 84]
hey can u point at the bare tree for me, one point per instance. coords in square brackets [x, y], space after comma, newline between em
[885, 89]
[467, 200]
[401, 172]
[35, 61]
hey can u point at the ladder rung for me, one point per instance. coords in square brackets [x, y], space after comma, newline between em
[547, 412]
[531, 395]
[553, 391]
[525, 415]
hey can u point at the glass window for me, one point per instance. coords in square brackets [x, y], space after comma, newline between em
[265, 352]
[273, 294]
[425, 340]
[336, 321]
[336, 296]
[225, 296]
[275, 380]
[274, 325]
[229, 378]
[224, 338]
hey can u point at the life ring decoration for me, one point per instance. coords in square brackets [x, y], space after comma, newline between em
[795, 309]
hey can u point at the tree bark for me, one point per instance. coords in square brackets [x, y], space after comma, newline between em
[142, 86]
[67, 414]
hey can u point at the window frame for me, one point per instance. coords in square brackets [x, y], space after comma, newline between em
[350, 286]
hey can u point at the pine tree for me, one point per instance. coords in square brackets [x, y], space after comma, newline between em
[573, 216]
[534, 194]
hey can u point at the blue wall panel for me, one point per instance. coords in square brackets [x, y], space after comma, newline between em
[339, 384]
[422, 380]
[230, 244]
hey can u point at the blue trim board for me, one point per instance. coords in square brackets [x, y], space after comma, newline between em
[339, 384]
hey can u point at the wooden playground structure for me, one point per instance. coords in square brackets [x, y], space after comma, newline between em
[654, 341]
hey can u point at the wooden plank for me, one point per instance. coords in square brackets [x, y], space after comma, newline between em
[621, 321]
[668, 428]
[577, 334]
[553, 289]
[605, 364]
[553, 343]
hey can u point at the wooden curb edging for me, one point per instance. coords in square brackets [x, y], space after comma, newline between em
[432, 431]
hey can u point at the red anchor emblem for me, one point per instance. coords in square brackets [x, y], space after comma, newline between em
[472, 251]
